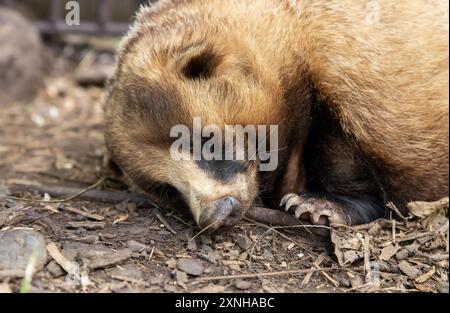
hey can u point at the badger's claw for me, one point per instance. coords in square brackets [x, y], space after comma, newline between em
[317, 211]
[291, 200]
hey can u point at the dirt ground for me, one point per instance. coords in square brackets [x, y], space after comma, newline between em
[83, 246]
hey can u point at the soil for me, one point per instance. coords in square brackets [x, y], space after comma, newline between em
[57, 140]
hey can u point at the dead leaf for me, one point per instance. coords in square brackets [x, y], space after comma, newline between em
[388, 252]
[422, 209]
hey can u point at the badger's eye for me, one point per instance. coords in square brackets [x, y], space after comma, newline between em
[201, 66]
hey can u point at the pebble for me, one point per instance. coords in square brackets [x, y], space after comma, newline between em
[17, 246]
[402, 254]
[192, 267]
[242, 284]
[268, 256]
[443, 286]
[54, 269]
[136, 246]
[181, 277]
[243, 241]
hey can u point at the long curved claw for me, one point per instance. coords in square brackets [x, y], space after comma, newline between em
[286, 198]
[303, 208]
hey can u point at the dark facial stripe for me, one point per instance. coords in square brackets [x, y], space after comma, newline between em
[222, 170]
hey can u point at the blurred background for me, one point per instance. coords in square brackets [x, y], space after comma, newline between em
[34, 34]
[99, 16]
[52, 77]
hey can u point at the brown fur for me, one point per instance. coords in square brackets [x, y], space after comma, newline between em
[379, 86]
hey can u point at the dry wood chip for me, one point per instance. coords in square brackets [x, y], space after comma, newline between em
[87, 225]
[408, 269]
[388, 252]
[111, 259]
[422, 209]
[166, 224]
[91, 216]
[424, 277]
[69, 266]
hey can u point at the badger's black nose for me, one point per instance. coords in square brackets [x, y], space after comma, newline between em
[220, 215]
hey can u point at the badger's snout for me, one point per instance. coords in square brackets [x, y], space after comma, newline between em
[220, 215]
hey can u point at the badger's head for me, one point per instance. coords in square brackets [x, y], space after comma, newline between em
[175, 69]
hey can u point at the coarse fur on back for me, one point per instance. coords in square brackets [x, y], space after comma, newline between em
[358, 89]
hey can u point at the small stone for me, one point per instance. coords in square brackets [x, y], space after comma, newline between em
[243, 256]
[181, 277]
[374, 230]
[192, 267]
[4, 191]
[54, 269]
[80, 250]
[355, 280]
[242, 284]
[5, 288]
[18, 245]
[191, 245]
[243, 241]
[233, 254]
[158, 280]
[443, 287]
[344, 282]
[171, 263]
[210, 289]
[267, 255]
[136, 246]
[170, 288]
[206, 240]
[127, 271]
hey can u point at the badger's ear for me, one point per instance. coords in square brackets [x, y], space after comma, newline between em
[201, 64]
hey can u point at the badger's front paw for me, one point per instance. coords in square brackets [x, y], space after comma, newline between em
[317, 211]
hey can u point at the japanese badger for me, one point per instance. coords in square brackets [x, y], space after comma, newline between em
[357, 90]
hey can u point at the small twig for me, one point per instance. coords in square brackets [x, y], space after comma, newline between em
[252, 275]
[274, 228]
[130, 280]
[87, 225]
[151, 253]
[394, 208]
[78, 194]
[70, 267]
[316, 264]
[269, 229]
[204, 229]
[165, 223]
[393, 232]
[83, 194]
[366, 243]
[331, 279]
[91, 216]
